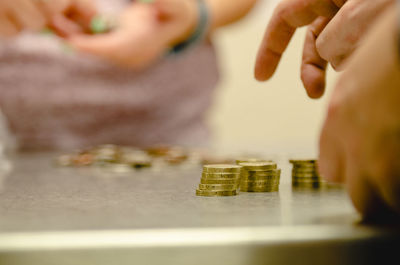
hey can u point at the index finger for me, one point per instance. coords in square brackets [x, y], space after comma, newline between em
[287, 17]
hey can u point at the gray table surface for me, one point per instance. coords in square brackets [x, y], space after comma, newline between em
[57, 215]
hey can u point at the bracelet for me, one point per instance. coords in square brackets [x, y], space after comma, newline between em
[200, 31]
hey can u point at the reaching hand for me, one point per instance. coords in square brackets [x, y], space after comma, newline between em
[360, 140]
[335, 29]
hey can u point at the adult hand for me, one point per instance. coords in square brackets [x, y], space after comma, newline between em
[360, 140]
[335, 29]
[66, 17]
[145, 32]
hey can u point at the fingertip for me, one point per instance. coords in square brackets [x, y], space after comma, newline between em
[260, 75]
[266, 65]
[313, 79]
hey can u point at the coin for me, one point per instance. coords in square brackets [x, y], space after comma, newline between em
[303, 161]
[218, 181]
[251, 160]
[257, 182]
[210, 193]
[251, 173]
[258, 178]
[306, 184]
[305, 175]
[221, 168]
[256, 185]
[221, 177]
[304, 170]
[217, 187]
[259, 189]
[258, 166]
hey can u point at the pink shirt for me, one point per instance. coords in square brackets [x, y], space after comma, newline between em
[53, 99]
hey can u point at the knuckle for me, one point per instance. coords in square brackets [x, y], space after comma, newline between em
[323, 48]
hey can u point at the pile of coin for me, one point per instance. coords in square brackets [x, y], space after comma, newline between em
[305, 174]
[260, 176]
[219, 180]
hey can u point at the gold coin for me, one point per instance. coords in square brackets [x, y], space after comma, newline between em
[221, 168]
[258, 178]
[217, 187]
[262, 189]
[210, 193]
[257, 187]
[258, 166]
[303, 161]
[306, 184]
[305, 175]
[251, 173]
[257, 182]
[220, 175]
[304, 170]
[251, 160]
[218, 181]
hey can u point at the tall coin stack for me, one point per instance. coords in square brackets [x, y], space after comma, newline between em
[259, 176]
[219, 180]
[305, 174]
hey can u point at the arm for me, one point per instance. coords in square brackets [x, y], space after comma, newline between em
[224, 12]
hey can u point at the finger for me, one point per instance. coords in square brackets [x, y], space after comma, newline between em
[99, 45]
[64, 26]
[385, 171]
[288, 16]
[342, 35]
[313, 67]
[27, 15]
[83, 12]
[363, 195]
[53, 7]
[331, 163]
[7, 27]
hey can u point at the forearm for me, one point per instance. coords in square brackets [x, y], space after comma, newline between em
[224, 12]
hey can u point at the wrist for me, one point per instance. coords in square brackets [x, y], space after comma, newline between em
[191, 10]
[200, 29]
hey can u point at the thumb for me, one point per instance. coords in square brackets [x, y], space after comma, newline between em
[167, 9]
[83, 11]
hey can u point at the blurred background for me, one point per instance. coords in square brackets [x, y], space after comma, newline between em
[273, 117]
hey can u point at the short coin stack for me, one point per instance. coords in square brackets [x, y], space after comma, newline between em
[305, 174]
[219, 180]
[259, 176]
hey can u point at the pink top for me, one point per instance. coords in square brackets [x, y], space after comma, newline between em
[53, 99]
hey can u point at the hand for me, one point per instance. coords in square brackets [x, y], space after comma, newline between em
[335, 29]
[66, 17]
[145, 33]
[360, 140]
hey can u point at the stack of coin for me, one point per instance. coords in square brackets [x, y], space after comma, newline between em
[261, 176]
[219, 180]
[305, 174]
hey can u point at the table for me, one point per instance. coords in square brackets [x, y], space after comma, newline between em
[52, 215]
